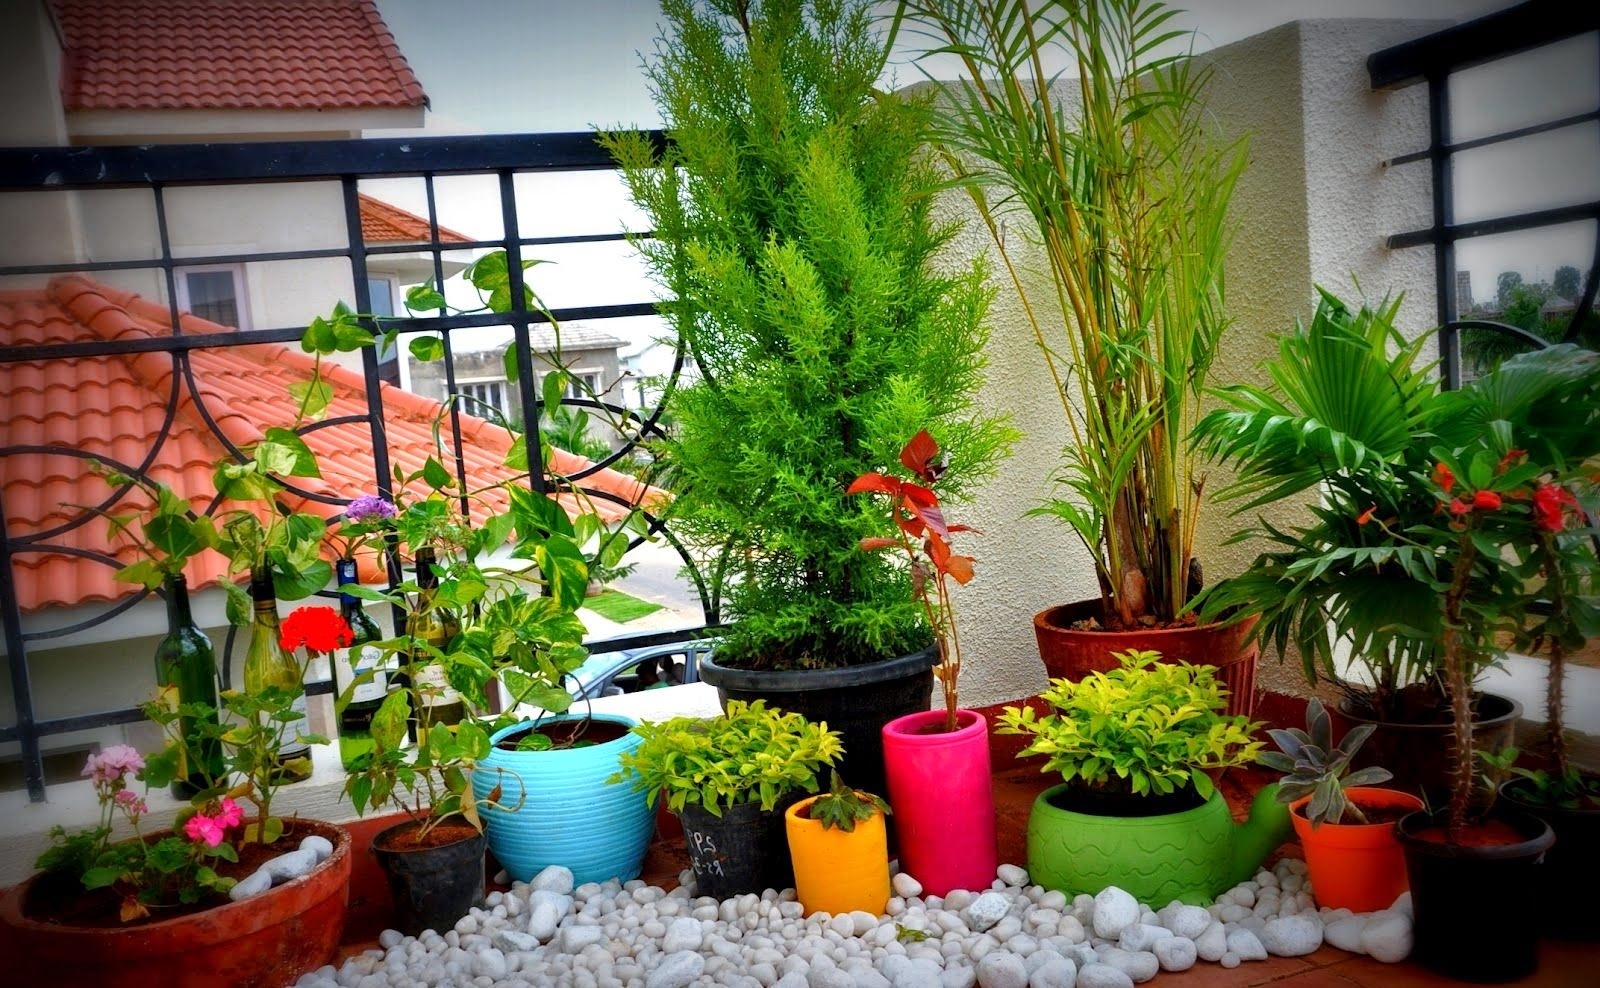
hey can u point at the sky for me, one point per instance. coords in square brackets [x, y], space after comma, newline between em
[523, 66]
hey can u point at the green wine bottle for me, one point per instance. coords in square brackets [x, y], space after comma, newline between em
[186, 672]
[355, 720]
[267, 664]
[437, 701]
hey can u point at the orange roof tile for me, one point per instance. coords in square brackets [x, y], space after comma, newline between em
[384, 223]
[231, 54]
[63, 412]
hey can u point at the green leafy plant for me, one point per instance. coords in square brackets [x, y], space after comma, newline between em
[1347, 418]
[793, 230]
[1147, 727]
[841, 807]
[750, 754]
[1126, 195]
[1314, 766]
[924, 538]
[1573, 790]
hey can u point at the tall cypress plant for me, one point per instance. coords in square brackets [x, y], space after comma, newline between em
[795, 237]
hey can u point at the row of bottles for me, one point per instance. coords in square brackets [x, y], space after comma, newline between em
[186, 672]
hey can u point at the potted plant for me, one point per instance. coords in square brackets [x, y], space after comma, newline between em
[1344, 821]
[839, 845]
[1124, 187]
[936, 762]
[255, 900]
[1350, 416]
[1135, 807]
[1512, 463]
[729, 779]
[793, 227]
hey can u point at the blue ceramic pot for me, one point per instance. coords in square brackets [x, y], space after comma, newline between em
[569, 815]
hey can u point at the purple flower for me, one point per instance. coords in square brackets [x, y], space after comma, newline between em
[368, 508]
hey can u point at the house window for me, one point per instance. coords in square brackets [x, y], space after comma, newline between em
[216, 294]
[583, 384]
[381, 291]
[484, 399]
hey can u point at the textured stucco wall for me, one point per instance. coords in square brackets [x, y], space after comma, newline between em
[1312, 208]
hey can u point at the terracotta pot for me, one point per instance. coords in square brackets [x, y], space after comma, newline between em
[1419, 755]
[838, 871]
[1069, 653]
[942, 792]
[267, 941]
[1355, 866]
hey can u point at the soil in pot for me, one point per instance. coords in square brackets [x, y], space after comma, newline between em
[1122, 804]
[563, 734]
[434, 877]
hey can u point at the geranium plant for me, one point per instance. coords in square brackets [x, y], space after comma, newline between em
[180, 868]
[923, 536]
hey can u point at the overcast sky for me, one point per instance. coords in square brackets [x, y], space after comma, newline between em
[522, 66]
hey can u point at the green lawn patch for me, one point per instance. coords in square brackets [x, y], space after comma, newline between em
[614, 605]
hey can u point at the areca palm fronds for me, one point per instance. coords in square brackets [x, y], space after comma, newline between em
[1125, 195]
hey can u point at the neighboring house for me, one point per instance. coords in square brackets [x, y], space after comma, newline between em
[385, 225]
[127, 411]
[588, 355]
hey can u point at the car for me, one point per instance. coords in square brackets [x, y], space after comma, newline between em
[632, 670]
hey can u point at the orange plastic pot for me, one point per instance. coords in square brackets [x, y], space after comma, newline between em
[1355, 866]
[837, 871]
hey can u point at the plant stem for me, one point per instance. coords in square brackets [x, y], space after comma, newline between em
[1455, 669]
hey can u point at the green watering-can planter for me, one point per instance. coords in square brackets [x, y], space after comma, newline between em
[1192, 856]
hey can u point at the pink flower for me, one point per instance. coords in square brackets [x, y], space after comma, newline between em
[230, 815]
[202, 828]
[131, 803]
[112, 764]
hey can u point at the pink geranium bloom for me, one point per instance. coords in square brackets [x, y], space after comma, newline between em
[112, 764]
[202, 828]
[230, 815]
[131, 803]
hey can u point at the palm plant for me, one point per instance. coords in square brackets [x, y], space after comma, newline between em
[1347, 417]
[1126, 195]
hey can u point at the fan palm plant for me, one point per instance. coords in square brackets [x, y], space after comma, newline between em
[1346, 417]
[1126, 196]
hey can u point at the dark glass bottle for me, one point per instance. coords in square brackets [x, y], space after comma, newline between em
[436, 701]
[355, 721]
[267, 664]
[186, 672]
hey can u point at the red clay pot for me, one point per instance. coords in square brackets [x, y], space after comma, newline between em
[1070, 653]
[264, 942]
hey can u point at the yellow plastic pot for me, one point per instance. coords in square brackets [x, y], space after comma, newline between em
[837, 871]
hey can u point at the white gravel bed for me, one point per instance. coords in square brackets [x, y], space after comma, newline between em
[1012, 935]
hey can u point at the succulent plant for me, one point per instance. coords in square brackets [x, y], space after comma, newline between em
[1313, 766]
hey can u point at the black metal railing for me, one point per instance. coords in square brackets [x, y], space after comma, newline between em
[1432, 60]
[157, 170]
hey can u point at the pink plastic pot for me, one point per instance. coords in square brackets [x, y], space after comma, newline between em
[943, 800]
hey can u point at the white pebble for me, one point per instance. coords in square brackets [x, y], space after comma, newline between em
[1387, 936]
[1102, 976]
[905, 886]
[1114, 911]
[1012, 875]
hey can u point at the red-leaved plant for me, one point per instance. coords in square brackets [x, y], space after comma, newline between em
[925, 539]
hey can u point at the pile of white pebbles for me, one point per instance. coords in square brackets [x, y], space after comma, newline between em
[1012, 935]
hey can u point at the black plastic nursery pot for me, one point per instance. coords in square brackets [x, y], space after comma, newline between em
[1454, 886]
[1573, 861]
[744, 850]
[433, 886]
[856, 701]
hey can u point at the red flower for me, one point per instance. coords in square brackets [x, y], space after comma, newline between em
[1459, 507]
[319, 629]
[1486, 501]
[1512, 455]
[1549, 506]
[1443, 477]
[1366, 515]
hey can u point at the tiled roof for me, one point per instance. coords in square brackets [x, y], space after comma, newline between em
[116, 406]
[383, 223]
[231, 54]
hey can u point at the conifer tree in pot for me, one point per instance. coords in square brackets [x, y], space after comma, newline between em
[794, 231]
